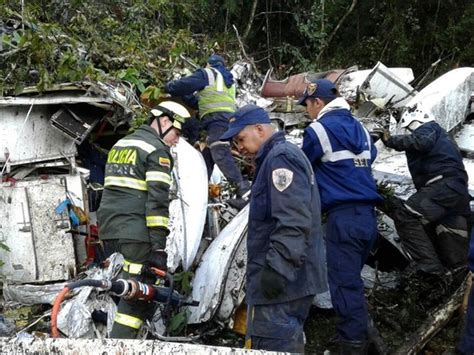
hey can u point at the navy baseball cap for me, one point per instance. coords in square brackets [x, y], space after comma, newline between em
[216, 60]
[321, 88]
[245, 116]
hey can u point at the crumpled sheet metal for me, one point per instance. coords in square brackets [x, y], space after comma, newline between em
[233, 293]
[447, 97]
[465, 138]
[383, 84]
[353, 81]
[75, 318]
[31, 294]
[209, 280]
[112, 347]
[248, 85]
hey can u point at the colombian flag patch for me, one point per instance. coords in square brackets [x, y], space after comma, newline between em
[164, 162]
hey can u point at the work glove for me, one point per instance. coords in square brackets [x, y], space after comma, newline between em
[158, 258]
[272, 283]
[380, 133]
[385, 136]
[158, 254]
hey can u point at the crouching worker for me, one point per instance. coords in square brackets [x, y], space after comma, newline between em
[133, 213]
[441, 202]
[284, 232]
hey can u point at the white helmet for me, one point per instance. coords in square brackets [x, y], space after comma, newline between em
[176, 112]
[415, 114]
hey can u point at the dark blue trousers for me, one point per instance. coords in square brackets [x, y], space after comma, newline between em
[221, 154]
[351, 233]
[278, 327]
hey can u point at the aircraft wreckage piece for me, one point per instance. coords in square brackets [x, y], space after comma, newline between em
[32, 140]
[188, 208]
[34, 345]
[294, 85]
[212, 275]
[41, 249]
[448, 97]
[383, 83]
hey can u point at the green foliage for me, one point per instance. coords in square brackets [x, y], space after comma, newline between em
[134, 41]
[182, 282]
[140, 41]
[178, 323]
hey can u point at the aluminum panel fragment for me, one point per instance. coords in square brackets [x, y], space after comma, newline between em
[40, 248]
[447, 97]
[33, 140]
[209, 280]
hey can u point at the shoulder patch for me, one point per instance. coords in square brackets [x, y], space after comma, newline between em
[282, 178]
[164, 162]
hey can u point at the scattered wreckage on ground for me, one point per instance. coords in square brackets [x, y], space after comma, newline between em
[54, 146]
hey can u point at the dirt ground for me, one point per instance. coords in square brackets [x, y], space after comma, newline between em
[397, 314]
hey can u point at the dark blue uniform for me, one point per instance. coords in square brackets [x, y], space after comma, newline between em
[341, 152]
[284, 234]
[214, 123]
[441, 203]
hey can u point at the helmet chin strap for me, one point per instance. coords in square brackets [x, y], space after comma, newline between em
[160, 131]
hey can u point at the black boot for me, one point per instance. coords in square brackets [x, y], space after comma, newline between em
[352, 347]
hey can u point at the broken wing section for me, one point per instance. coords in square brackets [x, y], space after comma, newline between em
[188, 208]
[448, 97]
[212, 273]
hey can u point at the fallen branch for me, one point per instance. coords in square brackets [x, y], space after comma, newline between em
[433, 324]
[241, 44]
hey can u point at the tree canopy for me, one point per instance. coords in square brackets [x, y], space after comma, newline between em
[140, 41]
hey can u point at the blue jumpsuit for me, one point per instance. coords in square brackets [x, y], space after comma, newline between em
[215, 124]
[284, 233]
[341, 153]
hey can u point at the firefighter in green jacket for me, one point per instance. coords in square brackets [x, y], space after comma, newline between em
[133, 214]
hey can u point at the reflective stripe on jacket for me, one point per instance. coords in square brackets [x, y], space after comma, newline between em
[137, 182]
[341, 152]
[216, 96]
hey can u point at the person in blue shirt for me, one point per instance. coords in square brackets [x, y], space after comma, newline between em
[212, 91]
[284, 239]
[441, 201]
[341, 152]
